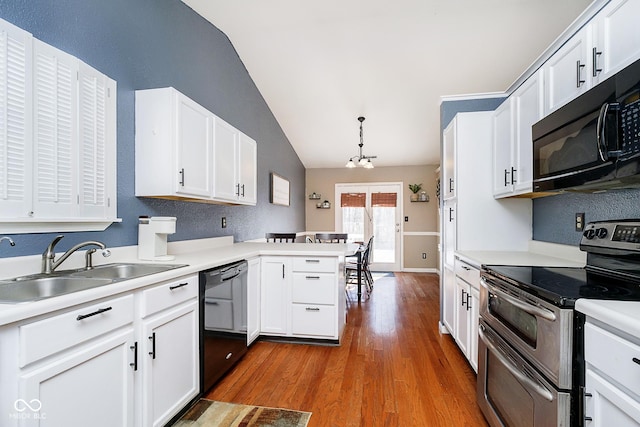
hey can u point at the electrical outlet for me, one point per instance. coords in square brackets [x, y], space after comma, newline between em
[406, 219]
[424, 255]
[224, 222]
[579, 221]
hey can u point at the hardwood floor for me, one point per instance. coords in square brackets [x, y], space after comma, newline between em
[392, 369]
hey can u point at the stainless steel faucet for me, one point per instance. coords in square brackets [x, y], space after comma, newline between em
[49, 264]
[9, 239]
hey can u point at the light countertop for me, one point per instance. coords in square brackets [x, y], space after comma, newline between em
[621, 315]
[539, 254]
[197, 256]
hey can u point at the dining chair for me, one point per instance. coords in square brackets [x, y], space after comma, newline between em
[351, 269]
[280, 237]
[331, 237]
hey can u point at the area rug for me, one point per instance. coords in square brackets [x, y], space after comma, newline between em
[210, 413]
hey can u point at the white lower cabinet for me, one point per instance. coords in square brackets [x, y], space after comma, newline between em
[301, 297]
[90, 385]
[612, 377]
[253, 300]
[127, 360]
[467, 299]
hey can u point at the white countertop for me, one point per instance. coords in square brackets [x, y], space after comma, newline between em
[539, 254]
[197, 255]
[621, 315]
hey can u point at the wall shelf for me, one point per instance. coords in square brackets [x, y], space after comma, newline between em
[314, 196]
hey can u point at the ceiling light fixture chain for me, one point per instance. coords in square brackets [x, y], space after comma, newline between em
[364, 161]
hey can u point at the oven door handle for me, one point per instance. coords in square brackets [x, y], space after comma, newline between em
[531, 309]
[538, 388]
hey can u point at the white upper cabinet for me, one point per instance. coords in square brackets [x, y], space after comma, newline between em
[513, 143]
[15, 120]
[449, 160]
[206, 155]
[616, 40]
[57, 139]
[566, 73]
[235, 165]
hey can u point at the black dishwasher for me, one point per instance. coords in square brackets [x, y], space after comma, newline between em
[223, 318]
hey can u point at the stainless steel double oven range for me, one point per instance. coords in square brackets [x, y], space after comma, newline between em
[531, 348]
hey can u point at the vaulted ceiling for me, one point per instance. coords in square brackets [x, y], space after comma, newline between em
[321, 64]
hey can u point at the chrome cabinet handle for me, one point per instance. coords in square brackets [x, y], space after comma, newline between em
[242, 190]
[531, 309]
[450, 214]
[579, 67]
[312, 309]
[181, 182]
[238, 190]
[595, 54]
[312, 260]
[462, 298]
[513, 175]
[312, 277]
[506, 182]
[468, 301]
[466, 268]
[538, 388]
[450, 184]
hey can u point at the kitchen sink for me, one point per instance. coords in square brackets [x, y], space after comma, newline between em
[123, 271]
[34, 289]
[39, 286]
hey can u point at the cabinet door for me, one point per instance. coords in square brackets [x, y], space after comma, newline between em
[449, 230]
[617, 38]
[170, 363]
[55, 133]
[607, 405]
[474, 318]
[194, 142]
[253, 300]
[94, 382]
[462, 315]
[226, 161]
[528, 110]
[449, 161]
[448, 299]
[502, 149]
[15, 121]
[248, 165]
[275, 300]
[96, 143]
[566, 74]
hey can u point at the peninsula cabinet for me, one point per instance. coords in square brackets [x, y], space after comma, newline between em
[58, 133]
[512, 138]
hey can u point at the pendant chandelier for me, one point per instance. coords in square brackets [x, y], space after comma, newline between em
[361, 159]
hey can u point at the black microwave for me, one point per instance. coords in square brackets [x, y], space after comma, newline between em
[593, 142]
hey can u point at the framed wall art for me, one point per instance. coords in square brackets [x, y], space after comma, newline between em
[279, 190]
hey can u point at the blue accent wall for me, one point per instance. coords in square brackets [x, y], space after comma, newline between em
[157, 43]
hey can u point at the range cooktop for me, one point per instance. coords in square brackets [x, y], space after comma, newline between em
[563, 285]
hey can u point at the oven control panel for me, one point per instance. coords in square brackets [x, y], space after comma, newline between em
[612, 234]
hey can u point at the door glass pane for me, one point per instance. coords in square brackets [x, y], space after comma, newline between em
[353, 223]
[384, 234]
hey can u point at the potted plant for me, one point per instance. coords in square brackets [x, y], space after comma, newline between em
[414, 189]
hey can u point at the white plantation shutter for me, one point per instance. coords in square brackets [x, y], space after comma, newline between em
[15, 121]
[95, 140]
[54, 132]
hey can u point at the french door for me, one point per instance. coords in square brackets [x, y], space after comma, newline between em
[372, 209]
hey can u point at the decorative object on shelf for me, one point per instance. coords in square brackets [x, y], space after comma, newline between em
[364, 161]
[414, 189]
[423, 196]
[279, 190]
[314, 196]
[323, 205]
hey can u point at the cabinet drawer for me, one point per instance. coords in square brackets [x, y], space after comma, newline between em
[168, 294]
[468, 273]
[316, 264]
[316, 320]
[313, 288]
[46, 337]
[613, 356]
